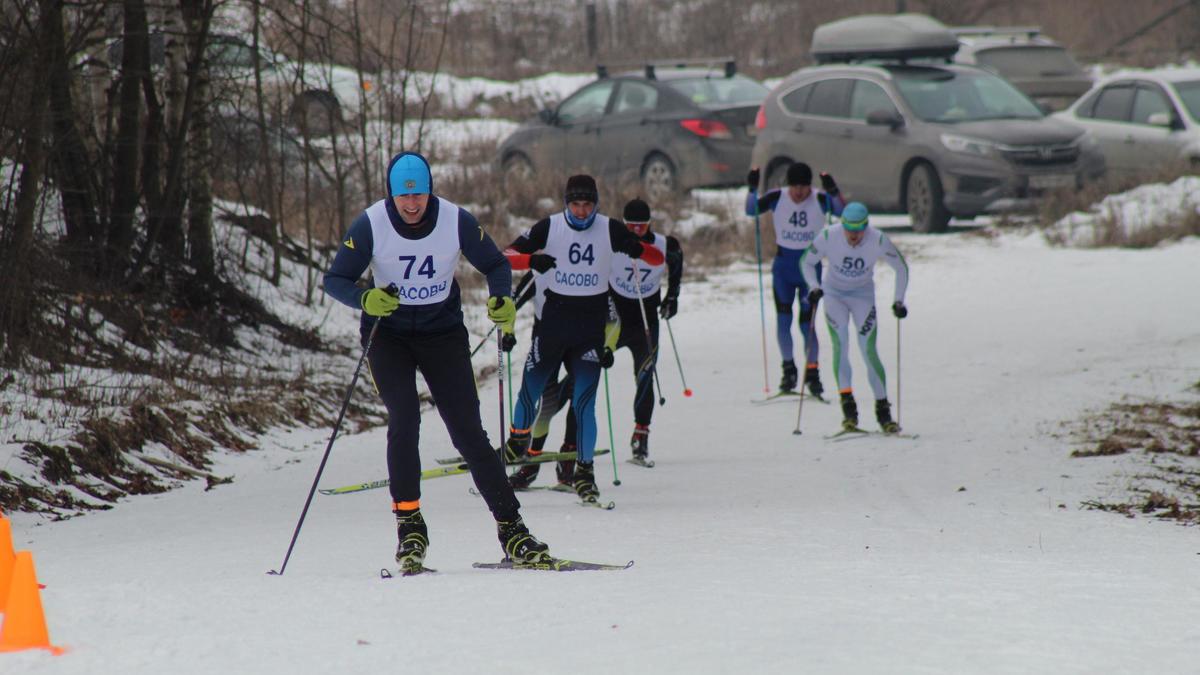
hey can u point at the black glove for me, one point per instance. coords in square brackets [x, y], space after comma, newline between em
[899, 309]
[541, 263]
[752, 179]
[606, 358]
[828, 185]
[508, 341]
[669, 307]
[814, 296]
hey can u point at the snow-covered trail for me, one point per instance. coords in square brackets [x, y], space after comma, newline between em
[757, 550]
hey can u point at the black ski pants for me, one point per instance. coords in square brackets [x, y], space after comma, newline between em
[645, 357]
[444, 361]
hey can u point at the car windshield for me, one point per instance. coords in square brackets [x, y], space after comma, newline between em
[950, 96]
[1030, 62]
[1189, 92]
[718, 92]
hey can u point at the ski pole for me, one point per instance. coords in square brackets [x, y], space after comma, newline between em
[897, 371]
[500, 379]
[686, 392]
[799, 410]
[651, 347]
[522, 297]
[762, 311]
[483, 341]
[392, 289]
[612, 444]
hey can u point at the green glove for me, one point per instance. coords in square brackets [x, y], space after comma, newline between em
[503, 312]
[378, 302]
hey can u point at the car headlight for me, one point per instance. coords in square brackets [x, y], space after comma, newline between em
[1087, 142]
[970, 146]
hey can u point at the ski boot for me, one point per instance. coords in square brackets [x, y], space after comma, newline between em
[812, 378]
[414, 540]
[584, 482]
[849, 412]
[520, 546]
[640, 443]
[516, 448]
[790, 375]
[565, 470]
[883, 413]
[524, 476]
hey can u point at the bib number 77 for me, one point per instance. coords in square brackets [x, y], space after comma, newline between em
[644, 270]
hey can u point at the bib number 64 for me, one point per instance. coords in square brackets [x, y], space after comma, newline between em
[578, 253]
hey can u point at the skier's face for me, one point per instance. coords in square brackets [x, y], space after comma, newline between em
[799, 193]
[581, 208]
[853, 238]
[640, 229]
[411, 207]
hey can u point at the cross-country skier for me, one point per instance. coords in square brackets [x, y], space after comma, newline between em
[413, 239]
[798, 214]
[852, 249]
[631, 281]
[573, 250]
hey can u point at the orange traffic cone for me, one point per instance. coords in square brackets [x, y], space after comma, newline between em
[7, 556]
[24, 622]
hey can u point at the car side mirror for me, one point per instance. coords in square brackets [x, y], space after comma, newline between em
[885, 118]
[547, 116]
[1044, 107]
[1165, 119]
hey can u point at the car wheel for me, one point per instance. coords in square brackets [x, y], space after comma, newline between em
[923, 200]
[658, 179]
[518, 169]
[316, 111]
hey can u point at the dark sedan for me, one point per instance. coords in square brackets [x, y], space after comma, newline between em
[666, 128]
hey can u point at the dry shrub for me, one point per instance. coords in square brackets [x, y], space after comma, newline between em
[1110, 228]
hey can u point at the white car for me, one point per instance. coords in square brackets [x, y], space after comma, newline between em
[1144, 120]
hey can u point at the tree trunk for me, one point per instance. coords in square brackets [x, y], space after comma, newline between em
[134, 67]
[71, 165]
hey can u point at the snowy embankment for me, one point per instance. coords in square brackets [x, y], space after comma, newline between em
[1140, 213]
[757, 550]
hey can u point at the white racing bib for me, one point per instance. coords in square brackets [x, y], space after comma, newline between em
[582, 259]
[797, 224]
[648, 277]
[423, 269]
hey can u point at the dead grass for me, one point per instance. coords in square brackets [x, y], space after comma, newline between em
[1162, 442]
[1110, 228]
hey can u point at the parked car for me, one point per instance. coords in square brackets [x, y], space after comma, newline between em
[1144, 120]
[670, 127]
[1040, 67]
[901, 128]
[318, 95]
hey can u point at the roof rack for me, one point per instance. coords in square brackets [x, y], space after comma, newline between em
[981, 31]
[651, 67]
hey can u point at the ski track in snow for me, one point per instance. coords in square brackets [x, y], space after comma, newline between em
[757, 551]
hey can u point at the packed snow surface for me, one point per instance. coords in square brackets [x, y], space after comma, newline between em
[757, 550]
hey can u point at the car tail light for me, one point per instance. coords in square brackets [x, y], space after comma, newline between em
[707, 128]
[760, 120]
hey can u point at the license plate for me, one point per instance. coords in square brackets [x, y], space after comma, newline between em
[1052, 181]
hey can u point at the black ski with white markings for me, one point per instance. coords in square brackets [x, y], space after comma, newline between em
[552, 565]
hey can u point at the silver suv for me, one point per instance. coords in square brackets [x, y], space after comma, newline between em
[1040, 67]
[902, 129]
